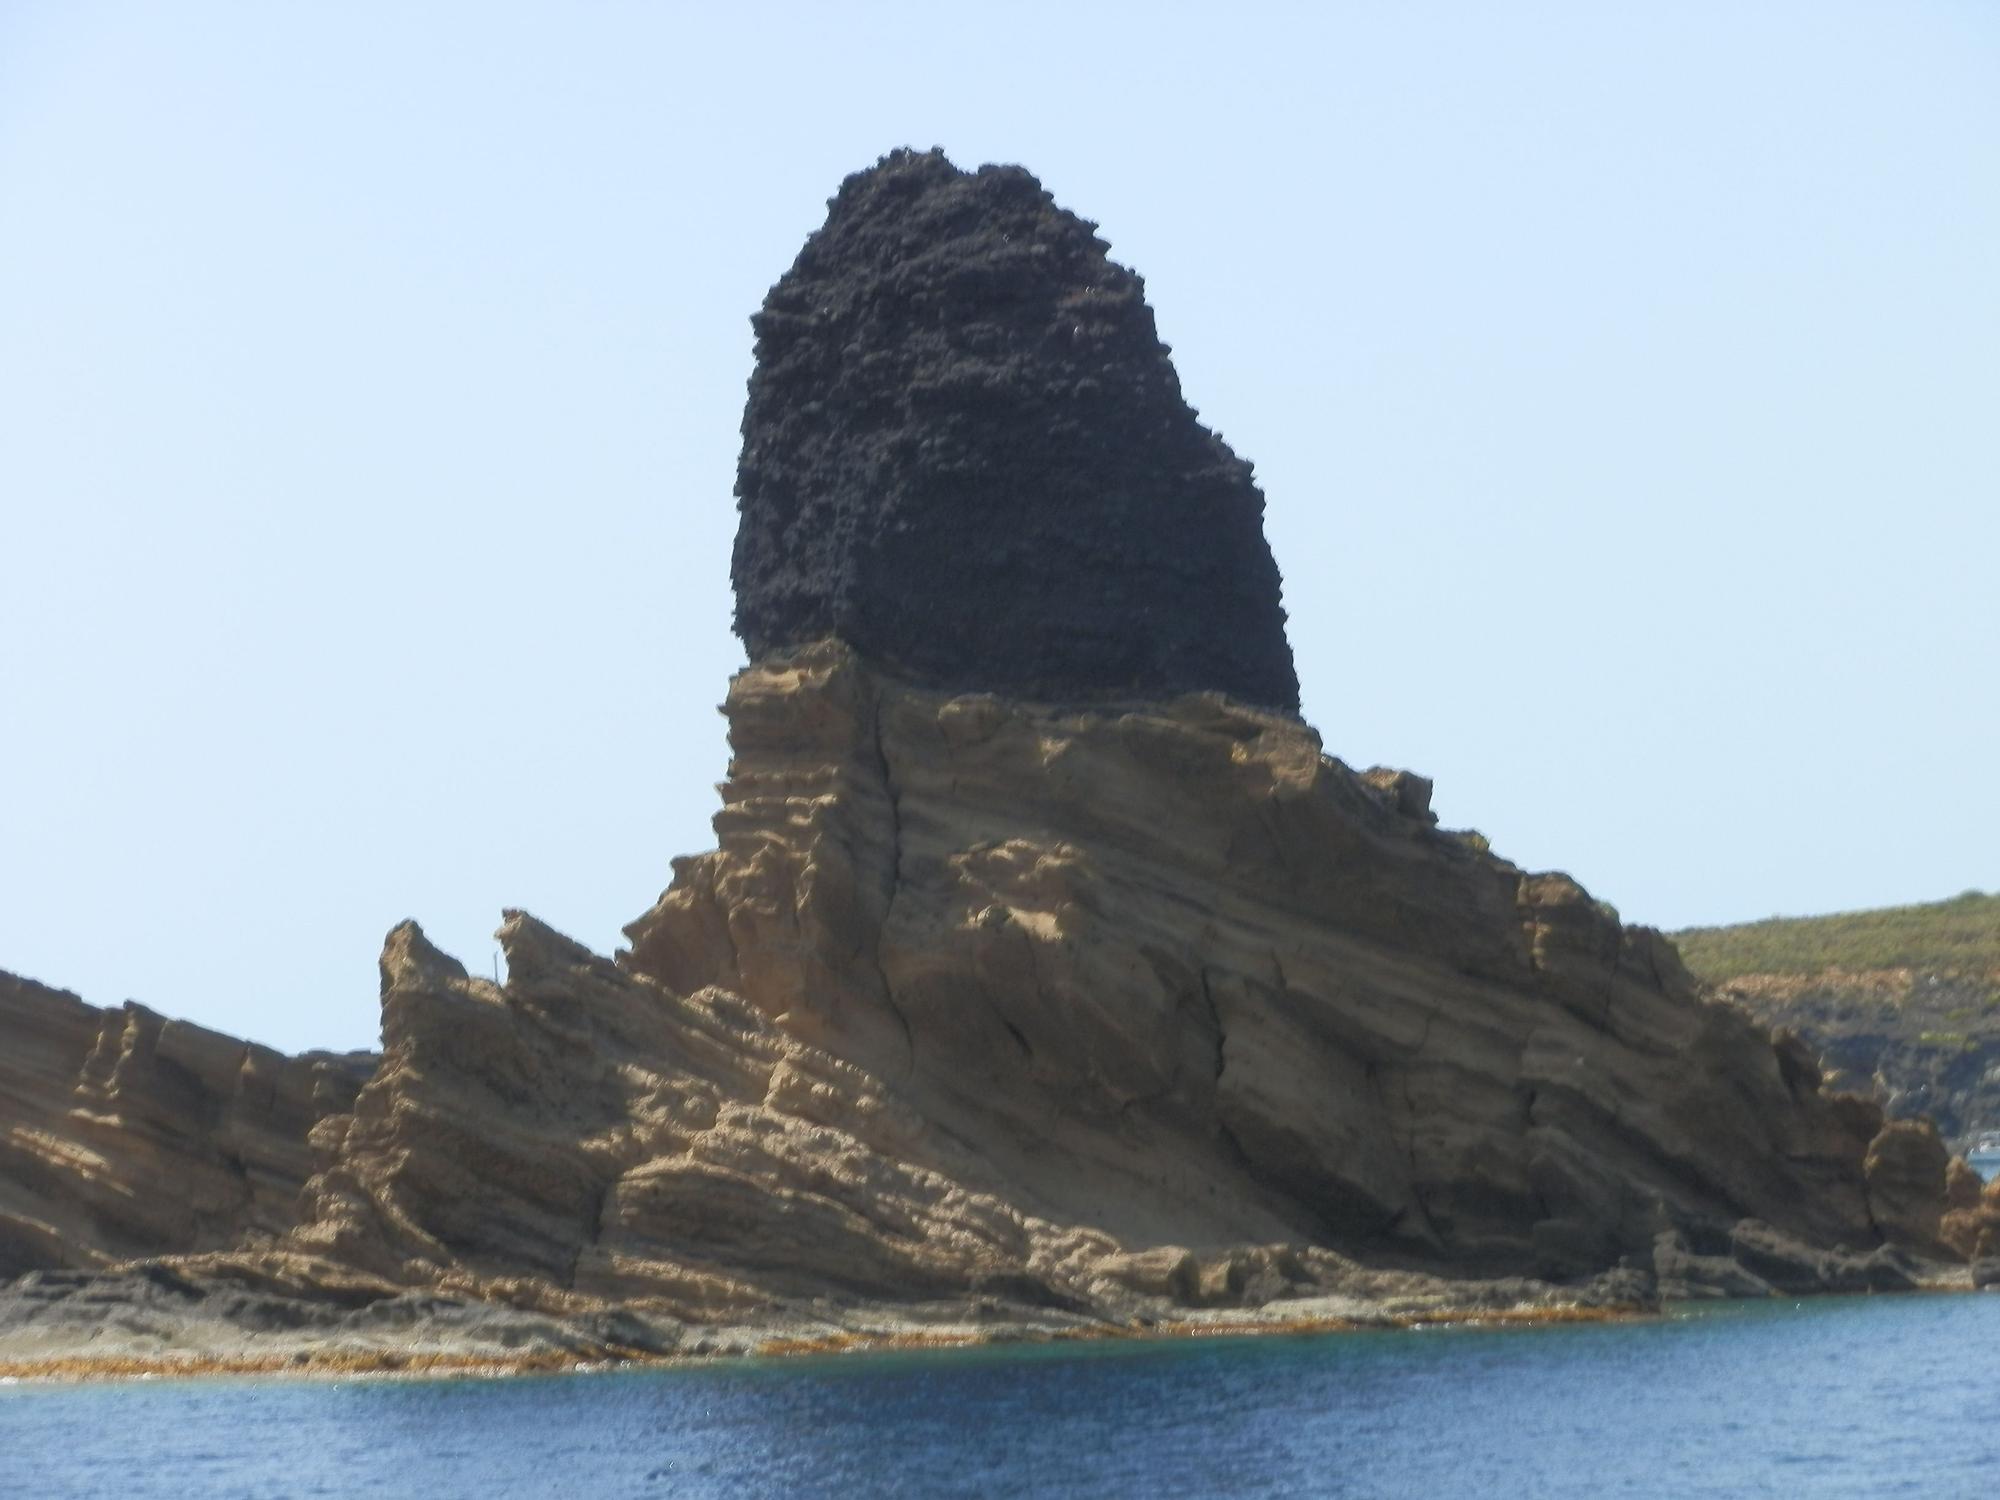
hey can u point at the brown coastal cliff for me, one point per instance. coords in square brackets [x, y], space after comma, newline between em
[1135, 1008]
[1184, 977]
[125, 1134]
[1091, 997]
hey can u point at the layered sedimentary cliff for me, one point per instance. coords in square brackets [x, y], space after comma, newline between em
[125, 1134]
[1038, 974]
[1185, 977]
[1148, 1006]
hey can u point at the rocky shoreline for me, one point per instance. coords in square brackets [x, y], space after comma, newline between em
[210, 1315]
[148, 1334]
[1067, 992]
[421, 1337]
[928, 1042]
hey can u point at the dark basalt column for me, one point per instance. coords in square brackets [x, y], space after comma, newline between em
[966, 453]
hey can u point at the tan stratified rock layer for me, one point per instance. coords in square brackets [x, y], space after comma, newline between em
[125, 1134]
[1063, 1008]
[1183, 978]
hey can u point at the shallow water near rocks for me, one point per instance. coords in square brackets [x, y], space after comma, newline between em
[1836, 1396]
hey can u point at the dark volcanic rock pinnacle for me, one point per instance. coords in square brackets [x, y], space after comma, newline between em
[966, 452]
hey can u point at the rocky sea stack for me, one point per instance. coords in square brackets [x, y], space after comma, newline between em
[1047, 974]
[966, 453]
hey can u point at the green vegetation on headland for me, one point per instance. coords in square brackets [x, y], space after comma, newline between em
[1959, 936]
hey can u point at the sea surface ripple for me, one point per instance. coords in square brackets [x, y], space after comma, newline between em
[1840, 1396]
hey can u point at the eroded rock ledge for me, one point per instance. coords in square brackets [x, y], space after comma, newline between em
[983, 1013]
[126, 1134]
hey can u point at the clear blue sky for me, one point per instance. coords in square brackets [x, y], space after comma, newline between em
[1624, 380]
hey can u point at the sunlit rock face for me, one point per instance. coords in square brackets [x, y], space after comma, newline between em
[974, 998]
[966, 453]
[123, 1133]
[1046, 970]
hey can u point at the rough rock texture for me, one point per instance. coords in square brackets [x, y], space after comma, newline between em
[1287, 1009]
[125, 1134]
[586, 1137]
[1971, 1221]
[1908, 1170]
[1087, 1000]
[1012, 1013]
[1921, 1042]
[966, 452]
[592, 1131]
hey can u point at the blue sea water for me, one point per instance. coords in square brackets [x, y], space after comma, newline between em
[1851, 1396]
